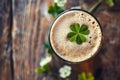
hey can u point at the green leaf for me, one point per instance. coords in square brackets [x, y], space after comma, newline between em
[46, 67]
[70, 34]
[83, 28]
[86, 32]
[47, 46]
[50, 51]
[75, 27]
[72, 27]
[90, 76]
[40, 70]
[78, 33]
[84, 76]
[73, 38]
[80, 77]
[67, 78]
[51, 9]
[78, 40]
[82, 37]
[54, 9]
[110, 3]
[58, 8]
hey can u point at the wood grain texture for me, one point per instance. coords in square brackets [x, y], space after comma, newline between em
[5, 47]
[28, 38]
[110, 52]
[26, 29]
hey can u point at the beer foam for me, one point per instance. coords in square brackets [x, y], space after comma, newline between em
[71, 51]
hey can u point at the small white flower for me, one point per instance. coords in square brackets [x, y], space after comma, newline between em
[65, 71]
[45, 60]
[60, 3]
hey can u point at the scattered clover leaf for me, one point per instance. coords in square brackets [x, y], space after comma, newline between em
[42, 69]
[67, 78]
[47, 46]
[88, 76]
[78, 33]
[109, 3]
[54, 9]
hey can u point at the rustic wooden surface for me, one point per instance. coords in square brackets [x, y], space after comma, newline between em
[5, 42]
[22, 38]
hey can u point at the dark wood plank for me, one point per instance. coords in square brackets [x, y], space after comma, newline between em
[110, 52]
[29, 28]
[5, 47]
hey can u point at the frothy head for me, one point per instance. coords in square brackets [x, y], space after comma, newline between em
[70, 51]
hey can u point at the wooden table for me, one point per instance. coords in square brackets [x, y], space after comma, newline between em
[23, 32]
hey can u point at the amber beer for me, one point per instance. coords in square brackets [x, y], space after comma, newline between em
[70, 51]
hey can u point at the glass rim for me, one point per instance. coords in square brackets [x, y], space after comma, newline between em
[101, 43]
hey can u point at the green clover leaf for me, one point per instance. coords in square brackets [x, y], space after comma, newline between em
[78, 39]
[78, 33]
[84, 76]
[83, 38]
[40, 70]
[54, 9]
[75, 27]
[73, 38]
[110, 3]
[49, 50]
[70, 34]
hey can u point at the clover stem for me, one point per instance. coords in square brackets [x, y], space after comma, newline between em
[95, 6]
